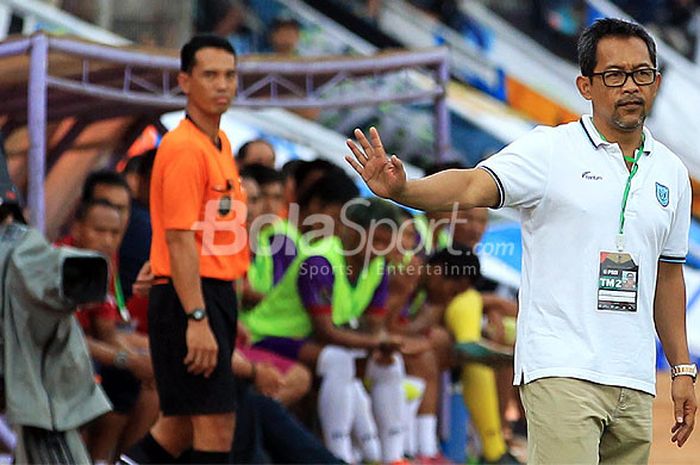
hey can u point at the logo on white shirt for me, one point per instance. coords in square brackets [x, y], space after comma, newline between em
[590, 176]
[662, 194]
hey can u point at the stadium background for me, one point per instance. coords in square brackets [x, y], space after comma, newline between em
[511, 68]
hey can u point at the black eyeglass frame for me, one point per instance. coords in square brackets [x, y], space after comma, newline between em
[627, 74]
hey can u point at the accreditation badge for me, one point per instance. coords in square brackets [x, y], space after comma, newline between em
[618, 282]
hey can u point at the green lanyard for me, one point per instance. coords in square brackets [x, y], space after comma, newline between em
[119, 296]
[625, 195]
[620, 238]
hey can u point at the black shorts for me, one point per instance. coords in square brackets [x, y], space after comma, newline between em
[180, 392]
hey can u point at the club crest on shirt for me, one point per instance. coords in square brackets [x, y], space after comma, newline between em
[662, 194]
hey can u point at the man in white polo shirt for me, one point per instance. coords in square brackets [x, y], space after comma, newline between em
[605, 215]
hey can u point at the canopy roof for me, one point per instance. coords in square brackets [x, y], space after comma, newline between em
[87, 96]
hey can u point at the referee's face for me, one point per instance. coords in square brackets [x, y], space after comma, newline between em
[211, 85]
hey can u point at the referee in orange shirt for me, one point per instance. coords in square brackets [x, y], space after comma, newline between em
[196, 253]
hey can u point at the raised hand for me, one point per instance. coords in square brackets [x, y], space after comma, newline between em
[386, 177]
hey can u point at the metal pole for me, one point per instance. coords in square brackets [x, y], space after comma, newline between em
[37, 100]
[442, 113]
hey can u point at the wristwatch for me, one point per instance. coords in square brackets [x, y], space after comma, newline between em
[198, 314]
[685, 370]
[121, 358]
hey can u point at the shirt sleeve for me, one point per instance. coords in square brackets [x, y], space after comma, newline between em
[377, 306]
[183, 188]
[283, 255]
[315, 285]
[676, 247]
[521, 169]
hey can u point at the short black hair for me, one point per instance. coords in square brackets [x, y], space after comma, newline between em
[198, 42]
[243, 149]
[303, 171]
[133, 165]
[103, 177]
[86, 205]
[456, 262]
[290, 167]
[378, 209]
[263, 175]
[588, 41]
[334, 187]
[145, 168]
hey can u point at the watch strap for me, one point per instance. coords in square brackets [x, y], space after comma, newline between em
[197, 314]
[689, 369]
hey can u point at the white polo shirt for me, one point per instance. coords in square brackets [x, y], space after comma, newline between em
[567, 183]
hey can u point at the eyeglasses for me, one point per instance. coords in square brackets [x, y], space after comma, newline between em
[618, 78]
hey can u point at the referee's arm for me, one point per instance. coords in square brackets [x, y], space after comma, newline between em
[202, 349]
[184, 267]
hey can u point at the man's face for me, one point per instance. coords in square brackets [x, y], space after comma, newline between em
[285, 39]
[330, 211]
[100, 230]
[272, 196]
[254, 204]
[621, 108]
[211, 84]
[260, 153]
[471, 227]
[117, 196]
[383, 242]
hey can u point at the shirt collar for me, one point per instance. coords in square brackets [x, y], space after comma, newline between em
[597, 140]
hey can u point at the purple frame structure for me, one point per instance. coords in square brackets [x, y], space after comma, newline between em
[273, 83]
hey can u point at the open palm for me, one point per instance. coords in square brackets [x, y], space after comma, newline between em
[386, 177]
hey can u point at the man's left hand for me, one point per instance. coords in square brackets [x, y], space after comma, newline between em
[684, 408]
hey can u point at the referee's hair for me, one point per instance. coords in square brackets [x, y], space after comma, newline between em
[200, 41]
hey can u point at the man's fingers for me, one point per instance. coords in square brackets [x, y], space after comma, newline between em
[213, 360]
[366, 146]
[376, 140]
[356, 166]
[195, 365]
[211, 365]
[681, 436]
[359, 154]
[678, 411]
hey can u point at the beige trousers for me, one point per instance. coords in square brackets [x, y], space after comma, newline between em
[570, 421]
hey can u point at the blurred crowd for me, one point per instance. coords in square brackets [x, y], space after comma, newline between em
[557, 23]
[340, 383]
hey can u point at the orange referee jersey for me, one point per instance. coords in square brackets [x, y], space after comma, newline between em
[195, 186]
